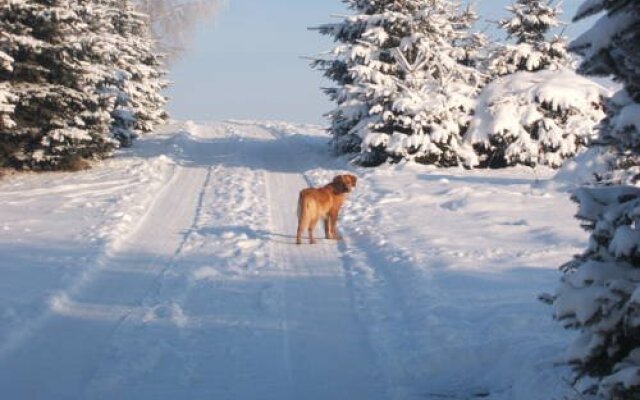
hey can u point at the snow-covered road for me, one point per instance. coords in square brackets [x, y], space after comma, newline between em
[170, 273]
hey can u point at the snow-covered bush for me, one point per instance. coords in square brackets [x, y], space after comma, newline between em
[539, 118]
[599, 294]
[529, 25]
[79, 69]
[405, 81]
[537, 111]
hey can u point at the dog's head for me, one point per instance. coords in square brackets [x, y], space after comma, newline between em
[344, 183]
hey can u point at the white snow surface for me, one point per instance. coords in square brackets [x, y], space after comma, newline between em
[169, 272]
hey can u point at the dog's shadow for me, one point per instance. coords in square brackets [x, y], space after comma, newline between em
[235, 231]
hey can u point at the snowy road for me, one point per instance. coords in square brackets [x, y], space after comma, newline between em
[171, 273]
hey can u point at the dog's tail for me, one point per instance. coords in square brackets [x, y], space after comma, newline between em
[299, 212]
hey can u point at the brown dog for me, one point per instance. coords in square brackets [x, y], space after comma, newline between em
[325, 203]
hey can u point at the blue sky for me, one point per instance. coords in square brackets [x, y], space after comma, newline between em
[247, 62]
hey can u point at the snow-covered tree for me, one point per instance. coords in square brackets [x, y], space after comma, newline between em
[611, 47]
[405, 81]
[7, 98]
[529, 27]
[350, 53]
[134, 71]
[535, 118]
[537, 110]
[82, 72]
[599, 294]
[59, 116]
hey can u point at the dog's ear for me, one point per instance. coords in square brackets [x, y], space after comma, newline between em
[353, 180]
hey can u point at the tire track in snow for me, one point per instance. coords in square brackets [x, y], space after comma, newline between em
[378, 300]
[156, 319]
[210, 352]
[329, 276]
[281, 301]
[446, 319]
[85, 318]
[124, 358]
[61, 299]
[404, 330]
[384, 308]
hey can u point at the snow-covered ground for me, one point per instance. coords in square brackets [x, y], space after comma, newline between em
[170, 272]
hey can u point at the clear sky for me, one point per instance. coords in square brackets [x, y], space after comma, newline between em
[247, 63]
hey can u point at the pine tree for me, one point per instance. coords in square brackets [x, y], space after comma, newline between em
[405, 81]
[351, 53]
[83, 75]
[529, 26]
[599, 294]
[145, 77]
[59, 116]
[133, 70]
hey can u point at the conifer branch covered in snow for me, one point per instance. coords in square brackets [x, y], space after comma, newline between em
[599, 294]
[7, 98]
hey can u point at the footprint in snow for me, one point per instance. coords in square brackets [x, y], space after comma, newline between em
[520, 222]
[455, 205]
[249, 244]
[171, 312]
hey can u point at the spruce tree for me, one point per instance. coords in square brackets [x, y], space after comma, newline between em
[133, 71]
[59, 116]
[145, 77]
[84, 79]
[599, 293]
[350, 53]
[533, 50]
[405, 81]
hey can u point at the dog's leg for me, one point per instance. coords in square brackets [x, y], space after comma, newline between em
[327, 228]
[312, 226]
[302, 225]
[299, 232]
[333, 217]
[301, 220]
